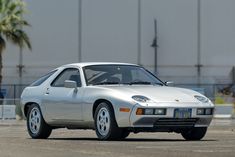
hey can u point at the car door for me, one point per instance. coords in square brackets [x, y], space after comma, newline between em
[64, 104]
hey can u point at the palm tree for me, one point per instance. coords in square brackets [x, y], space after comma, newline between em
[11, 26]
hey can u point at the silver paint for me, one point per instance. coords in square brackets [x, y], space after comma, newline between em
[65, 106]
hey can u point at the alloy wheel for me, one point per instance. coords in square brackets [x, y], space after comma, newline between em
[103, 121]
[34, 120]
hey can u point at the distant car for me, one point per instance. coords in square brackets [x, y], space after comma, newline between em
[114, 99]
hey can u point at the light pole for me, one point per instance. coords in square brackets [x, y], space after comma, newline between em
[155, 46]
[20, 68]
[199, 65]
[79, 30]
[139, 33]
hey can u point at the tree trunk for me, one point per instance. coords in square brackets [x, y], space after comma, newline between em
[2, 47]
[1, 95]
[1, 68]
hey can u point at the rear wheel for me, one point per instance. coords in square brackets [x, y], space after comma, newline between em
[37, 127]
[194, 134]
[105, 124]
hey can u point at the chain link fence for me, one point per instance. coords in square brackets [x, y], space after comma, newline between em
[217, 93]
[222, 95]
[10, 101]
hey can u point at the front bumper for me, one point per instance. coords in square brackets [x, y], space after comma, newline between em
[172, 122]
[169, 121]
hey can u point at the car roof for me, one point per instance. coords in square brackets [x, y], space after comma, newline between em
[83, 64]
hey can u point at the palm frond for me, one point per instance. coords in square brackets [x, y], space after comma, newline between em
[20, 38]
[12, 22]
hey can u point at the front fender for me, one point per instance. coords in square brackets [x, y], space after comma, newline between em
[117, 101]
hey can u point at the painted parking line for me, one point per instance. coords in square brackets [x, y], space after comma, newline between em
[189, 146]
[213, 151]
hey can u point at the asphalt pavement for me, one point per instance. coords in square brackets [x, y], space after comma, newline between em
[15, 142]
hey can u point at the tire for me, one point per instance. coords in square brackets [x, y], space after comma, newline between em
[125, 134]
[36, 125]
[105, 124]
[194, 134]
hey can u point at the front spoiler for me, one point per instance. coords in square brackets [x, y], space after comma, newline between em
[168, 124]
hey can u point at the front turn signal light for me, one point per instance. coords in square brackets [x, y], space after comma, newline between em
[124, 110]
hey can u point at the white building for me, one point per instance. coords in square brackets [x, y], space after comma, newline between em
[190, 32]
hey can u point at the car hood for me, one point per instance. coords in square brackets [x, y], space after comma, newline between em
[157, 93]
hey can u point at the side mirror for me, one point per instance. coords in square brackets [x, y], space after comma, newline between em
[70, 84]
[169, 83]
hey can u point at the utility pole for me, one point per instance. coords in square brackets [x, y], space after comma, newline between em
[79, 30]
[20, 68]
[199, 65]
[139, 33]
[233, 75]
[155, 46]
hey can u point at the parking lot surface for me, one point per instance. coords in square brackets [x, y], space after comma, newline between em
[15, 142]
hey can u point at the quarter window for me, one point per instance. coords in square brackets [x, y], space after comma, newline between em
[68, 74]
[42, 79]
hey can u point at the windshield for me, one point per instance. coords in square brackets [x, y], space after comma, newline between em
[119, 74]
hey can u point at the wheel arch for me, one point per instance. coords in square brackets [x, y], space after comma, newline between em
[96, 104]
[27, 106]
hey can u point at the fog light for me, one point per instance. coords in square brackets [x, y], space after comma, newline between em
[200, 111]
[148, 111]
[208, 111]
[160, 111]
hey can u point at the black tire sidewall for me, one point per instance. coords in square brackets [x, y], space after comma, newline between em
[197, 133]
[125, 134]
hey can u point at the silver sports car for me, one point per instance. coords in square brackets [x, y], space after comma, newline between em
[114, 99]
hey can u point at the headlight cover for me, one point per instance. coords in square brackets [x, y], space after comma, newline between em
[140, 98]
[201, 99]
[151, 111]
[205, 111]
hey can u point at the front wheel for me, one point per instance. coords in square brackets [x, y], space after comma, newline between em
[125, 134]
[194, 134]
[105, 124]
[37, 127]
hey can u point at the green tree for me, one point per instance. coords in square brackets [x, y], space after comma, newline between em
[12, 26]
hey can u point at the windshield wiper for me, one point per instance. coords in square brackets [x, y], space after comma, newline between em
[160, 84]
[140, 82]
[103, 83]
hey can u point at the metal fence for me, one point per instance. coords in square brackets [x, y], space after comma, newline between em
[214, 91]
[10, 100]
[218, 93]
[12, 92]
[9, 109]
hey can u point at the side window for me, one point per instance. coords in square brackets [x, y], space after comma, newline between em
[39, 81]
[68, 74]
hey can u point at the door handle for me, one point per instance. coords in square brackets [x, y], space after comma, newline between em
[47, 91]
